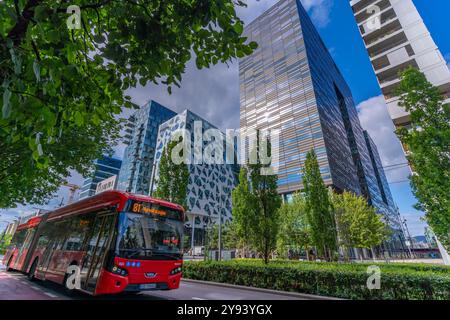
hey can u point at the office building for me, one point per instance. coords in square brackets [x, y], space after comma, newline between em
[395, 38]
[104, 168]
[142, 131]
[290, 83]
[210, 185]
[383, 200]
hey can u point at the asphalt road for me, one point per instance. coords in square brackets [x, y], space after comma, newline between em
[16, 286]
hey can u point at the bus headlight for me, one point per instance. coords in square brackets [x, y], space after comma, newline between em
[119, 271]
[175, 271]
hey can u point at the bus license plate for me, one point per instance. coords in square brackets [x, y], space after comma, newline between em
[147, 286]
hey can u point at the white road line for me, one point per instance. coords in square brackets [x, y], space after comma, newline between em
[36, 288]
[50, 294]
[197, 298]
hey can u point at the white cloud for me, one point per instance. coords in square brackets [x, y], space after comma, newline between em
[375, 119]
[319, 10]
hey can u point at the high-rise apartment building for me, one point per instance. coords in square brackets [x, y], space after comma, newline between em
[395, 38]
[210, 184]
[104, 168]
[291, 83]
[142, 132]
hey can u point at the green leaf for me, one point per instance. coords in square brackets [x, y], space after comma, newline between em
[37, 70]
[6, 110]
[253, 45]
[78, 117]
[238, 27]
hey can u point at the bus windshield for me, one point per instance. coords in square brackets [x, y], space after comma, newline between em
[150, 237]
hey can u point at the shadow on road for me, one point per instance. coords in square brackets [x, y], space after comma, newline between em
[78, 295]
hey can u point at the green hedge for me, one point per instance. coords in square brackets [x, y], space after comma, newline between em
[398, 281]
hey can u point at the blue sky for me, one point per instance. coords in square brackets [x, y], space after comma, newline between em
[204, 91]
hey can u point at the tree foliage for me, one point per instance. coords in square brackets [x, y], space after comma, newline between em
[318, 208]
[294, 231]
[5, 242]
[173, 178]
[230, 240]
[58, 82]
[256, 203]
[428, 144]
[358, 224]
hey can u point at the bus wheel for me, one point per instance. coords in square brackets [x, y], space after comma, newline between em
[30, 274]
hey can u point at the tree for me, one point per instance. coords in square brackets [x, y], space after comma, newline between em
[428, 144]
[242, 203]
[358, 224]
[22, 180]
[318, 208]
[173, 178]
[294, 231]
[60, 77]
[5, 242]
[229, 237]
[256, 203]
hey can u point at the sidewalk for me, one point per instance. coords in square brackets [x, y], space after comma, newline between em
[427, 261]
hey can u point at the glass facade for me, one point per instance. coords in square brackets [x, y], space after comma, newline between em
[383, 200]
[136, 171]
[291, 83]
[104, 168]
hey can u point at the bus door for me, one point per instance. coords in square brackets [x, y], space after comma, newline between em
[23, 251]
[97, 247]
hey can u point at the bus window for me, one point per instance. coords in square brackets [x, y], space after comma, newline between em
[18, 238]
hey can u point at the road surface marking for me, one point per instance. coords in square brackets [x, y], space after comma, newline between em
[50, 294]
[196, 298]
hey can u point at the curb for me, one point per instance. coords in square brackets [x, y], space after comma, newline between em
[283, 293]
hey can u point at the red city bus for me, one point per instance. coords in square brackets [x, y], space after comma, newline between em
[119, 241]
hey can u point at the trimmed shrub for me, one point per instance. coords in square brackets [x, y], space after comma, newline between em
[349, 280]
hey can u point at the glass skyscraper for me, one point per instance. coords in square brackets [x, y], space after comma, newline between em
[292, 84]
[104, 168]
[142, 132]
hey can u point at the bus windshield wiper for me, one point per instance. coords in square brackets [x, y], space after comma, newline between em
[136, 251]
[170, 255]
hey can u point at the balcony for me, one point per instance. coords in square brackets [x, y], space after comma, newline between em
[362, 4]
[385, 17]
[366, 14]
[389, 43]
[394, 73]
[386, 30]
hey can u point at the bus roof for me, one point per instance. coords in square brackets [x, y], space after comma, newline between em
[107, 199]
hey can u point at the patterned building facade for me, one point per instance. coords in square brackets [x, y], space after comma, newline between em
[292, 84]
[210, 185]
[142, 132]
